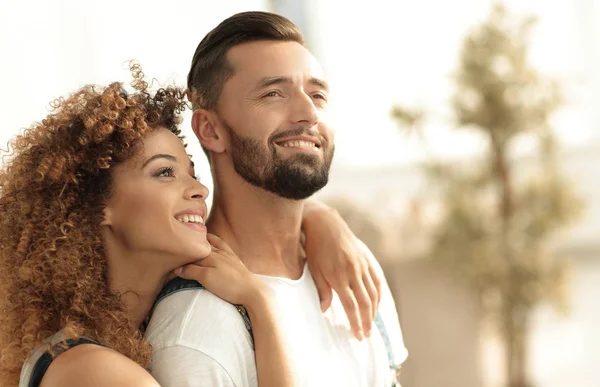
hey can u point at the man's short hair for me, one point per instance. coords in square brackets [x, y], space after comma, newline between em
[210, 68]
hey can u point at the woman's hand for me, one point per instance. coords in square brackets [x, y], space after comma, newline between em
[337, 261]
[223, 274]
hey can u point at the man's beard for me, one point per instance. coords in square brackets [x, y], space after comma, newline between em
[296, 177]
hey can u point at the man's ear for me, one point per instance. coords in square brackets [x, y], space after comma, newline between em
[207, 128]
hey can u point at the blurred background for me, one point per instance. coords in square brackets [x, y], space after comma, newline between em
[468, 155]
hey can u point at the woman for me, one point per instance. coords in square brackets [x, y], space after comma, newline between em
[76, 284]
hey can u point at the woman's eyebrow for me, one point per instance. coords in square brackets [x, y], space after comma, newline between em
[160, 156]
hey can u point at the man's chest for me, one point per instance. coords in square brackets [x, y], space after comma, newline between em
[321, 345]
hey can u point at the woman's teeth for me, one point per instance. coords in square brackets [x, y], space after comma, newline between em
[190, 219]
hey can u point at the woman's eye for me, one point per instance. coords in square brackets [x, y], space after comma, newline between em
[165, 172]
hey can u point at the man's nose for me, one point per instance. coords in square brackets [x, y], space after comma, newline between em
[304, 110]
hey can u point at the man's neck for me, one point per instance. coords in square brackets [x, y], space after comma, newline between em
[261, 228]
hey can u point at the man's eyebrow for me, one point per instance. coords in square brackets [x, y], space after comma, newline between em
[270, 81]
[160, 156]
[319, 82]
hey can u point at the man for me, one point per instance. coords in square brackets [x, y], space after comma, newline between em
[260, 113]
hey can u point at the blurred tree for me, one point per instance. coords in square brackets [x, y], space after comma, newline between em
[498, 221]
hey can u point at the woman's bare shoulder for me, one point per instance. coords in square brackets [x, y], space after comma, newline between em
[93, 365]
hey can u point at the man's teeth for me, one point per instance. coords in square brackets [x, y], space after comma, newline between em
[298, 143]
[190, 219]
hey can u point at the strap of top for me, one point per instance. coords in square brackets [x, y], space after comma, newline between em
[394, 368]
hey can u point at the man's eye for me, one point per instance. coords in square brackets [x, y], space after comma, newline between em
[271, 94]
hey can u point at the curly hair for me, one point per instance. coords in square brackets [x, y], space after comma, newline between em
[53, 189]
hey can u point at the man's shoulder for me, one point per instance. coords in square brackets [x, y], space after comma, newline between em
[387, 320]
[197, 319]
[193, 332]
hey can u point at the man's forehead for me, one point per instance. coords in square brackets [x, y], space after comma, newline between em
[263, 59]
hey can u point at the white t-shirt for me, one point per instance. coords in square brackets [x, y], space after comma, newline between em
[200, 340]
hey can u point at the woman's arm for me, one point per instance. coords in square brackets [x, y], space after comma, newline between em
[95, 366]
[272, 362]
[337, 261]
[223, 274]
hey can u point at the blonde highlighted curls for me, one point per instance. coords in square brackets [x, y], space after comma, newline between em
[53, 188]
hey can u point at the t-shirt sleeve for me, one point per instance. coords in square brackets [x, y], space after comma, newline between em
[180, 366]
[199, 339]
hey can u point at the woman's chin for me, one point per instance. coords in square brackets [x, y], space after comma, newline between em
[204, 250]
[198, 251]
[190, 253]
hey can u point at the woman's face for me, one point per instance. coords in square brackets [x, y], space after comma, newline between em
[157, 207]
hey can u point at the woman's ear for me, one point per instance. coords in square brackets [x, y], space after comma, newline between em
[206, 127]
[107, 217]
